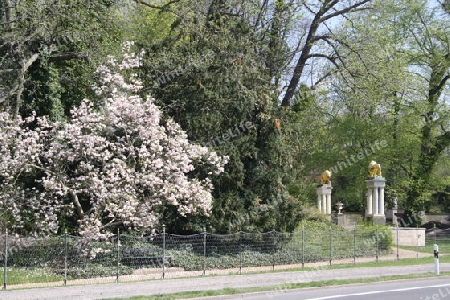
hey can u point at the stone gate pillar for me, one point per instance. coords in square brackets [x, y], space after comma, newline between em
[375, 200]
[324, 198]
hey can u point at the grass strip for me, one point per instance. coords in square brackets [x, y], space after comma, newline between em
[444, 246]
[374, 264]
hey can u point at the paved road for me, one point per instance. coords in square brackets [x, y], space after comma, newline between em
[167, 286]
[420, 289]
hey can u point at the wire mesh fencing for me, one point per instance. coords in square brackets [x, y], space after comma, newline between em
[66, 259]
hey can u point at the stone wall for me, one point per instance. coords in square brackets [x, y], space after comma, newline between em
[350, 219]
[442, 218]
[408, 236]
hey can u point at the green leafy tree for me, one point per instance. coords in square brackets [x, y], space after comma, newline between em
[49, 51]
[393, 88]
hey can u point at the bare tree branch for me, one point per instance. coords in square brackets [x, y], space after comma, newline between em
[319, 17]
[163, 7]
[353, 8]
[66, 56]
[111, 224]
[328, 74]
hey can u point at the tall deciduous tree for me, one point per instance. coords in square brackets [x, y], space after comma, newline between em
[48, 51]
[430, 54]
[393, 87]
[317, 40]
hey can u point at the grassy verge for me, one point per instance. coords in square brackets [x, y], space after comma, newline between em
[400, 262]
[374, 264]
[275, 289]
[38, 275]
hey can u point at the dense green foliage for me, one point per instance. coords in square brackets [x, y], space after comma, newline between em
[351, 93]
[213, 80]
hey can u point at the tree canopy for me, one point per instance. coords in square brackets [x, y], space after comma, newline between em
[279, 90]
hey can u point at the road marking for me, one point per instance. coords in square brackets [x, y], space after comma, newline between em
[379, 292]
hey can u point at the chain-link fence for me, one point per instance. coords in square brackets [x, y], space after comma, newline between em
[68, 259]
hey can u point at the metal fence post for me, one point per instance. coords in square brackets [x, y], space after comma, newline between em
[354, 245]
[274, 246]
[434, 232]
[331, 244]
[5, 265]
[65, 257]
[417, 244]
[240, 252]
[118, 255]
[376, 243]
[204, 251]
[303, 246]
[398, 256]
[164, 252]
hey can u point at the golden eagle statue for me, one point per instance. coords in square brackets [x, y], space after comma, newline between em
[325, 177]
[374, 169]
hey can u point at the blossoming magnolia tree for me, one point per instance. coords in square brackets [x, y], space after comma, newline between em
[116, 165]
[19, 153]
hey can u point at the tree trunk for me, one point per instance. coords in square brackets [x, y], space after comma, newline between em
[74, 198]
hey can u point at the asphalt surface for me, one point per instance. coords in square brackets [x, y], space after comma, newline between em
[420, 289]
[168, 286]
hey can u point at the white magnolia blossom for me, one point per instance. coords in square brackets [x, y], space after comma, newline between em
[107, 166]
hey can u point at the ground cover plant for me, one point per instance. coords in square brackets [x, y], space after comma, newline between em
[69, 257]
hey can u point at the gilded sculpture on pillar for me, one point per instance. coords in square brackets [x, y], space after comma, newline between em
[374, 169]
[325, 178]
[324, 193]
